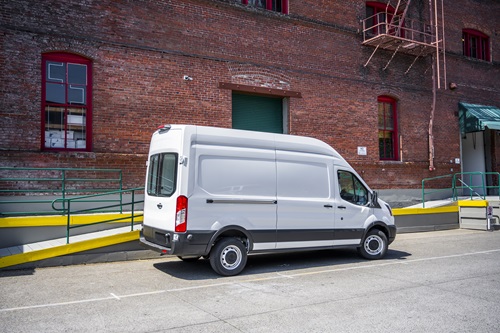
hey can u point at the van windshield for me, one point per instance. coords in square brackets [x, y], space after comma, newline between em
[162, 174]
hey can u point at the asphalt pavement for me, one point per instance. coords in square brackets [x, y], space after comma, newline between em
[445, 281]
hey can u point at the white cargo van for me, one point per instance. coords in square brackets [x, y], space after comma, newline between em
[222, 194]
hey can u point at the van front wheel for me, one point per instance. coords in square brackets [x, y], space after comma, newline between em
[374, 246]
[228, 257]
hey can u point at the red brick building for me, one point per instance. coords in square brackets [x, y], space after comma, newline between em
[84, 83]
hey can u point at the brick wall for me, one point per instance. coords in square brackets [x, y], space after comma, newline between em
[142, 49]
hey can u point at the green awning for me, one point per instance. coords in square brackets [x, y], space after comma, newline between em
[475, 117]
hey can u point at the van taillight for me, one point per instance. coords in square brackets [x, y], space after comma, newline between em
[181, 214]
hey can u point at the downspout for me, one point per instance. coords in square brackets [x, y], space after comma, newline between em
[433, 107]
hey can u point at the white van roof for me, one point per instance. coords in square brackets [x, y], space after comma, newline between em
[264, 140]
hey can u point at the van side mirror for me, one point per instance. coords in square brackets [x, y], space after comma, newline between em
[374, 200]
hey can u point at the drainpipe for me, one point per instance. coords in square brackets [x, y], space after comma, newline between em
[433, 107]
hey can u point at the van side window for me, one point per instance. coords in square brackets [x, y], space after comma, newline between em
[351, 189]
[162, 174]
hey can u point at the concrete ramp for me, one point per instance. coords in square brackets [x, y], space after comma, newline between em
[28, 241]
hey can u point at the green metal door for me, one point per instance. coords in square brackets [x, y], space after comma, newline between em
[257, 113]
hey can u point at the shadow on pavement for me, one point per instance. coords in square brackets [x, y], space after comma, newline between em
[272, 263]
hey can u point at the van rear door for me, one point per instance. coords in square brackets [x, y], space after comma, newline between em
[163, 180]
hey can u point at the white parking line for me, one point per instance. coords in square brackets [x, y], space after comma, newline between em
[274, 277]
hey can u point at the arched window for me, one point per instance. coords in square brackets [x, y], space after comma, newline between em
[387, 128]
[476, 44]
[66, 102]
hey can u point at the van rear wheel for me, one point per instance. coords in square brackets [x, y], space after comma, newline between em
[228, 256]
[374, 246]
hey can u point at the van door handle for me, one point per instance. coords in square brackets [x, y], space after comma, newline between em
[341, 207]
[328, 206]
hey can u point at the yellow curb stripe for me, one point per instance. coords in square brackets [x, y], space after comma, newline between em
[61, 250]
[473, 203]
[423, 211]
[56, 221]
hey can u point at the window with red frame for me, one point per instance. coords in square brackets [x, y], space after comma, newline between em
[66, 102]
[379, 16]
[476, 44]
[387, 128]
[280, 6]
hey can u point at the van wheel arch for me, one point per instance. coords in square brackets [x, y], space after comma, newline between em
[231, 231]
[376, 225]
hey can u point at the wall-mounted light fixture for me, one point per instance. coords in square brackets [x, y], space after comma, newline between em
[187, 78]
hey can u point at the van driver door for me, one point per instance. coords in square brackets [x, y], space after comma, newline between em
[352, 208]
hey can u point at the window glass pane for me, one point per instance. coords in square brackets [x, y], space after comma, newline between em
[385, 116]
[473, 47]
[76, 94]
[77, 74]
[389, 121]
[56, 72]
[167, 175]
[154, 162]
[351, 189]
[346, 186]
[276, 5]
[361, 193]
[77, 124]
[386, 147]
[162, 174]
[54, 127]
[54, 93]
[381, 116]
[257, 3]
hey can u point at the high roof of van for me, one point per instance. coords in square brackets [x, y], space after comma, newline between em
[263, 140]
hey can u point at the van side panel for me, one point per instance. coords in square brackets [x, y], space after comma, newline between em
[235, 186]
[305, 203]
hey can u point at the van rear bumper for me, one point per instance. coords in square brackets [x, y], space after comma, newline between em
[174, 243]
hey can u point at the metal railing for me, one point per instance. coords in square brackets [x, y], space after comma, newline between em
[31, 188]
[463, 183]
[397, 26]
[72, 206]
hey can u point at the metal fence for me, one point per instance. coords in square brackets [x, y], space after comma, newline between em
[70, 207]
[30, 191]
[465, 184]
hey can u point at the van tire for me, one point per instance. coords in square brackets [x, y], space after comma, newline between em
[228, 257]
[374, 245]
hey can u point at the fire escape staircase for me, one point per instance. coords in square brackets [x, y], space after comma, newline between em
[395, 31]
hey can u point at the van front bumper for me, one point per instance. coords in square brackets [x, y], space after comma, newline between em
[392, 233]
